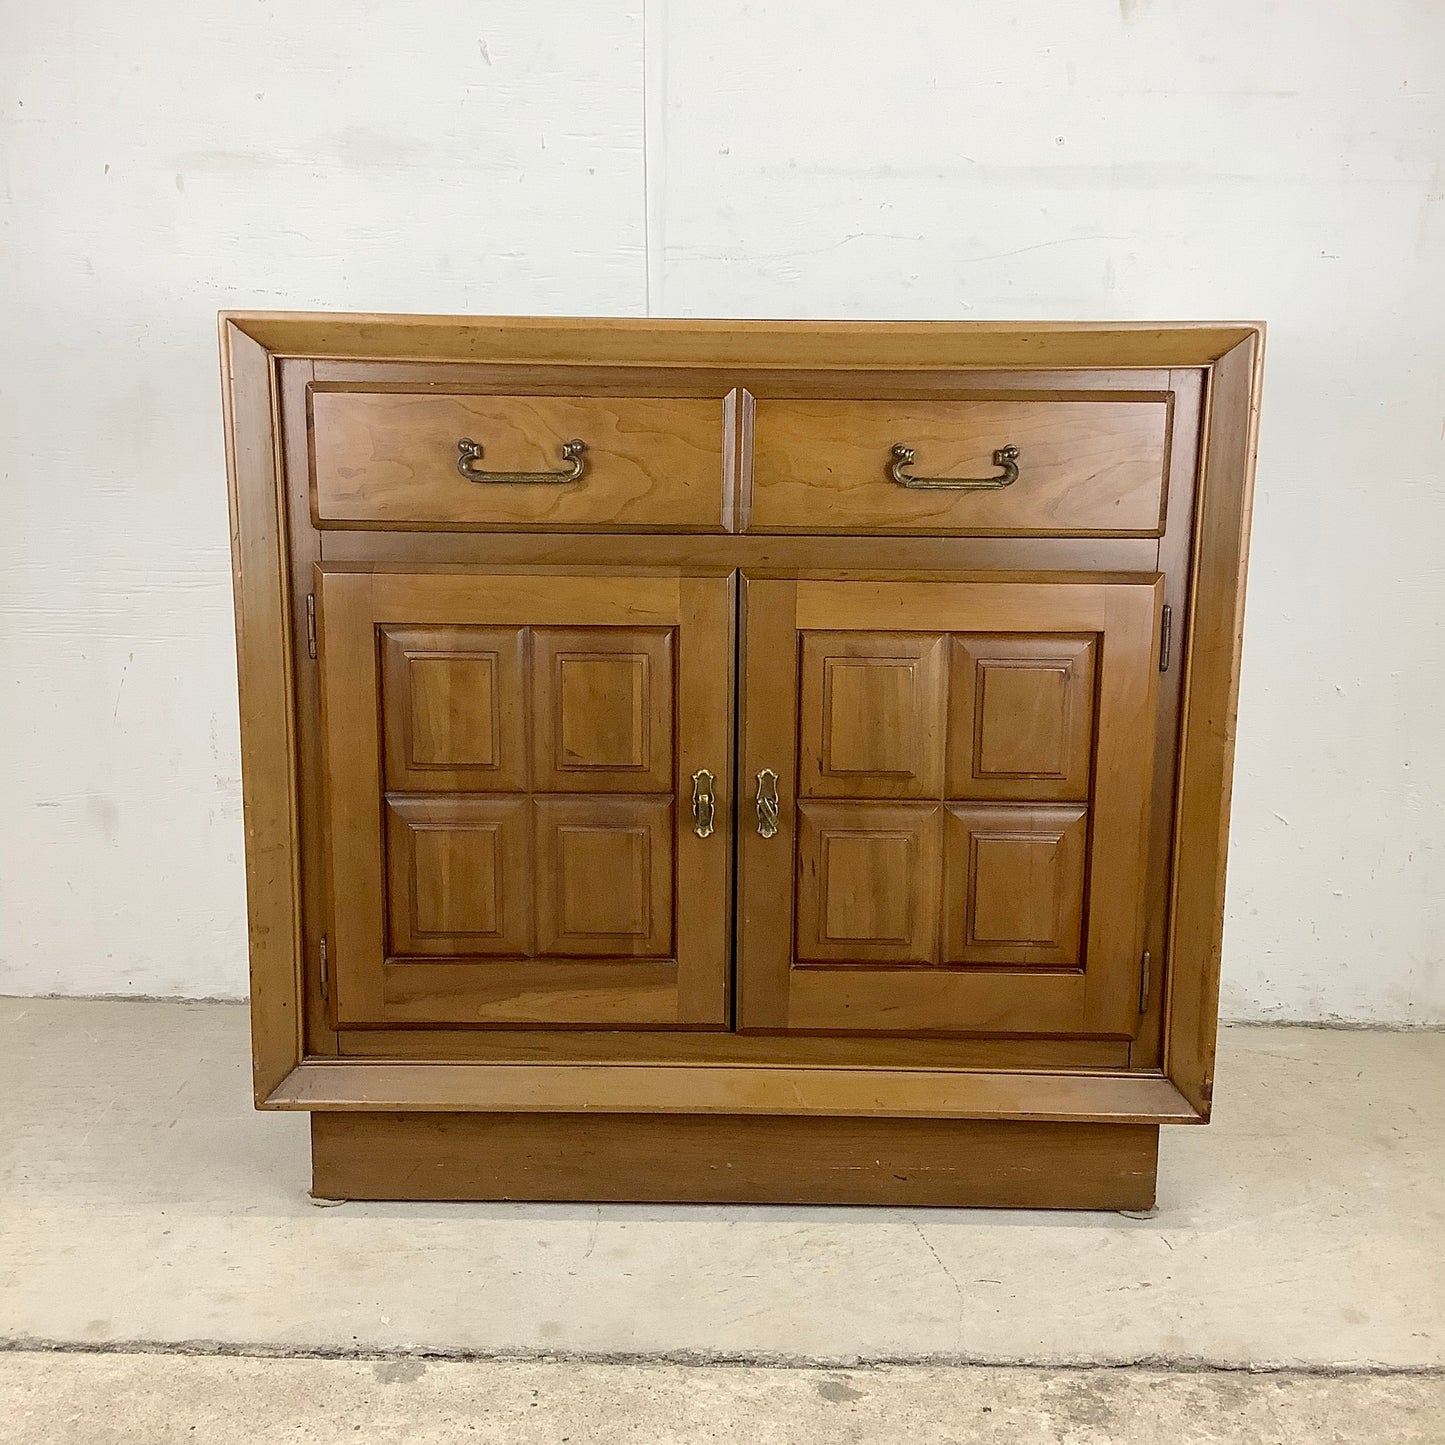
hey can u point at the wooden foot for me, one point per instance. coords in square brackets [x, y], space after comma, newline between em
[730, 1159]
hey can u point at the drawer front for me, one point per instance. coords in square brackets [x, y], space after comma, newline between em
[1085, 466]
[392, 459]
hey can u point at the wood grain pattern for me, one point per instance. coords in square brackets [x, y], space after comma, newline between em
[912, 345]
[868, 882]
[604, 877]
[872, 717]
[1014, 883]
[528, 598]
[269, 785]
[459, 876]
[390, 458]
[1119, 811]
[292, 378]
[724, 1160]
[707, 647]
[1175, 552]
[478, 907]
[602, 709]
[583, 1046]
[379, 1086]
[701, 378]
[1084, 466]
[1211, 701]
[754, 553]
[767, 739]
[938, 1002]
[1021, 713]
[352, 768]
[454, 708]
[523, 993]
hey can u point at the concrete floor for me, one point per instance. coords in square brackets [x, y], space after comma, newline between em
[146, 1206]
[171, 1400]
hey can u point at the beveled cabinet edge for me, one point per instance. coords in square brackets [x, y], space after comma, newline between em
[250, 344]
[652, 1088]
[260, 576]
[790, 345]
[1213, 640]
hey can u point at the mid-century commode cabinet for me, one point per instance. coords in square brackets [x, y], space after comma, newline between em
[771, 761]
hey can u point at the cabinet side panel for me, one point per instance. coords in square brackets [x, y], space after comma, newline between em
[263, 664]
[1211, 696]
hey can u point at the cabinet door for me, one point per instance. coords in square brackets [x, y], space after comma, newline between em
[528, 800]
[962, 780]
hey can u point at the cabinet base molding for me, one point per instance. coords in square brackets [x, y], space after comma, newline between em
[733, 1159]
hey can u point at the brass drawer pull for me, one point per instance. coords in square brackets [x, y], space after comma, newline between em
[702, 802]
[469, 452]
[767, 803]
[1005, 457]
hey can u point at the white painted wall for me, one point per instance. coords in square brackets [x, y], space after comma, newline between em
[950, 158]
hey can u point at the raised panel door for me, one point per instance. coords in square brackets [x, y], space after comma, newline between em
[868, 877]
[962, 774]
[509, 763]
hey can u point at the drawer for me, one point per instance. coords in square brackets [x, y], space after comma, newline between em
[1078, 466]
[393, 459]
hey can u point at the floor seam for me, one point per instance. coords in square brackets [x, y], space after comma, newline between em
[707, 1359]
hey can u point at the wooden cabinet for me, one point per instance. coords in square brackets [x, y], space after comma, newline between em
[737, 761]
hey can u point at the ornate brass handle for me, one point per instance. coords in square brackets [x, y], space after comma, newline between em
[1005, 457]
[469, 452]
[702, 803]
[767, 803]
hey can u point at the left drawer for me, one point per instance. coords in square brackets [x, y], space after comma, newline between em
[433, 461]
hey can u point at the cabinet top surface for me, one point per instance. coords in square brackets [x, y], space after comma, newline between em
[647, 341]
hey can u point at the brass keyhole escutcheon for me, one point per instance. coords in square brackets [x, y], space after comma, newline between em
[767, 803]
[703, 802]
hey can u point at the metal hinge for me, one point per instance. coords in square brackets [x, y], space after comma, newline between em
[325, 971]
[311, 623]
[1166, 632]
[1144, 983]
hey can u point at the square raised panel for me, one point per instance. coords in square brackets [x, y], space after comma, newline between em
[872, 717]
[602, 709]
[1014, 883]
[452, 705]
[604, 877]
[1021, 717]
[457, 871]
[868, 878]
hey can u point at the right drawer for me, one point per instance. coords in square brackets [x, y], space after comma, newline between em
[1082, 466]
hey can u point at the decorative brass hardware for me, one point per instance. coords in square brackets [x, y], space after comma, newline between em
[1005, 457]
[767, 803]
[469, 452]
[702, 803]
